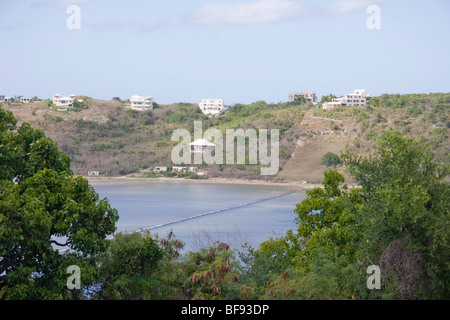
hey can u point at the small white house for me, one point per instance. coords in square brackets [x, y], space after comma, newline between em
[25, 99]
[201, 145]
[212, 106]
[64, 102]
[308, 95]
[6, 99]
[179, 169]
[141, 103]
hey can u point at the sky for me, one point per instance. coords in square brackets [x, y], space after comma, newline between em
[241, 51]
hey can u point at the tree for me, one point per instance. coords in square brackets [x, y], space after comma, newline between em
[331, 159]
[139, 266]
[128, 267]
[317, 262]
[406, 214]
[327, 98]
[212, 273]
[80, 105]
[398, 218]
[43, 208]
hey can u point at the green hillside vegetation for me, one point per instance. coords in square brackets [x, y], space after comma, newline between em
[108, 137]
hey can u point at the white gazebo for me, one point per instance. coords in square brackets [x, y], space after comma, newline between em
[201, 145]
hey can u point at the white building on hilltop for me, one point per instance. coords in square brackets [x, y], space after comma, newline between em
[308, 95]
[141, 103]
[6, 99]
[357, 98]
[212, 106]
[65, 102]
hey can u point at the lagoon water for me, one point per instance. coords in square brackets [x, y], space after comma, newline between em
[235, 214]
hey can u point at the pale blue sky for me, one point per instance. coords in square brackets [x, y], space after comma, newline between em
[239, 50]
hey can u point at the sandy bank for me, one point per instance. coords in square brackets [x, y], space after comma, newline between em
[127, 180]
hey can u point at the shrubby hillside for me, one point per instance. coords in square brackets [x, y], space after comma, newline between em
[108, 137]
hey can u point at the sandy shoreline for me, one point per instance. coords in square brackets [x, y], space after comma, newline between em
[97, 181]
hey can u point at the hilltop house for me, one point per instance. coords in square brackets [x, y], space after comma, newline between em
[141, 103]
[25, 99]
[357, 98]
[212, 106]
[65, 102]
[6, 99]
[308, 95]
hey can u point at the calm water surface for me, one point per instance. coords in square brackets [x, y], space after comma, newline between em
[247, 213]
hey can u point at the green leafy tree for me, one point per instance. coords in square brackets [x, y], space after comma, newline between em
[128, 267]
[331, 159]
[327, 98]
[80, 105]
[212, 273]
[44, 208]
[406, 214]
[141, 266]
[398, 218]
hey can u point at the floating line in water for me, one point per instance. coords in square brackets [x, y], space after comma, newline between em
[212, 212]
[201, 215]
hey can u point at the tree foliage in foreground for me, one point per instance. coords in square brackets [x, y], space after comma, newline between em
[43, 207]
[397, 219]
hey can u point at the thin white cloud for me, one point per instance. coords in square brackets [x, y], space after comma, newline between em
[116, 25]
[63, 3]
[16, 26]
[346, 6]
[236, 13]
[243, 13]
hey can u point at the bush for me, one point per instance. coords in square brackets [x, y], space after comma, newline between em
[162, 144]
[331, 159]
[414, 111]
[78, 106]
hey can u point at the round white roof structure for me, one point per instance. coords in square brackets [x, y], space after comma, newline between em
[202, 142]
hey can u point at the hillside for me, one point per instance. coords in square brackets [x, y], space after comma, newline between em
[110, 138]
